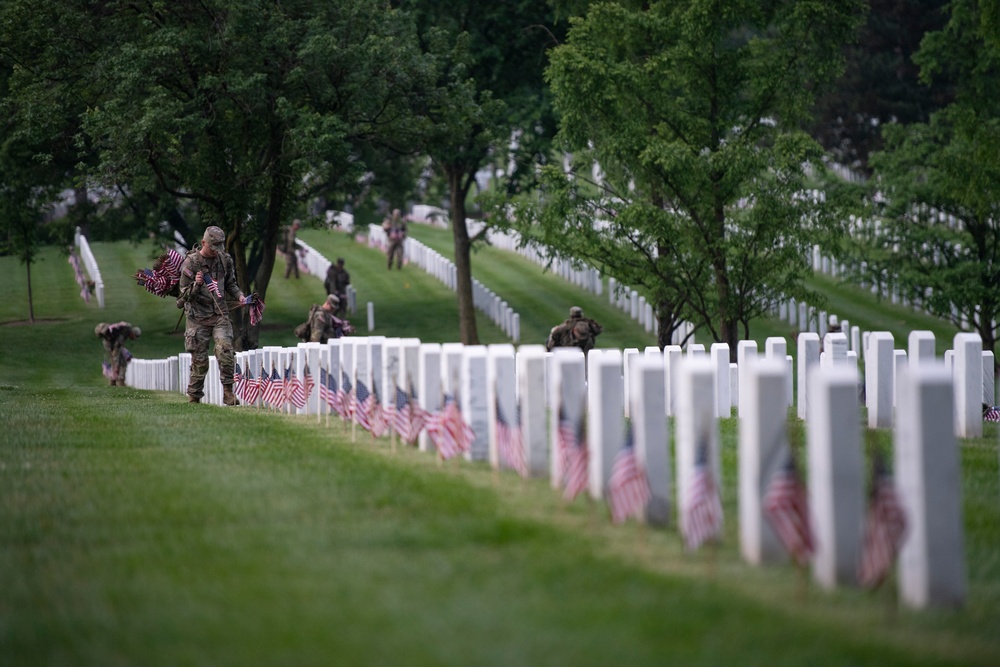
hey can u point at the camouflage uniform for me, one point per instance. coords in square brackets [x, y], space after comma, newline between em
[324, 325]
[337, 280]
[113, 337]
[207, 313]
[291, 250]
[577, 331]
[395, 229]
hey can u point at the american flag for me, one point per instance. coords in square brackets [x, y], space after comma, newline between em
[702, 507]
[264, 382]
[448, 431]
[376, 415]
[346, 396]
[628, 488]
[510, 444]
[251, 388]
[307, 381]
[574, 454]
[238, 380]
[992, 414]
[256, 309]
[294, 391]
[324, 386]
[401, 415]
[212, 284]
[885, 530]
[787, 509]
[106, 370]
[361, 403]
[275, 392]
[164, 275]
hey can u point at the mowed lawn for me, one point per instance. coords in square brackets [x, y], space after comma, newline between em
[136, 529]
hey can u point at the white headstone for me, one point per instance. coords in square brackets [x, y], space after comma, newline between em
[746, 355]
[534, 412]
[672, 355]
[808, 362]
[606, 422]
[568, 387]
[474, 400]
[500, 385]
[989, 377]
[720, 359]
[879, 361]
[928, 477]
[968, 373]
[652, 436]
[921, 347]
[763, 449]
[836, 475]
[695, 425]
[428, 386]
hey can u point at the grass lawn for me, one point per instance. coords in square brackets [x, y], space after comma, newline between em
[138, 529]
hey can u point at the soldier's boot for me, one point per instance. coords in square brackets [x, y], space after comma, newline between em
[194, 399]
[112, 382]
[121, 382]
[228, 397]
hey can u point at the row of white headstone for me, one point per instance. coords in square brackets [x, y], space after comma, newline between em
[90, 263]
[694, 387]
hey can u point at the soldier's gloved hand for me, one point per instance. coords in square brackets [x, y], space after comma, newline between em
[246, 300]
[198, 279]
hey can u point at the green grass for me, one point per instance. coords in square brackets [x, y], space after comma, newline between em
[138, 529]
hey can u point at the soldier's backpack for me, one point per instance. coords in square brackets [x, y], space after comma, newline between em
[304, 331]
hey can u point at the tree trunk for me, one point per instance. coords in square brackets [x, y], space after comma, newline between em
[463, 263]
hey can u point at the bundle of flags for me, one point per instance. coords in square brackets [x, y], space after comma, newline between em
[884, 531]
[448, 431]
[787, 510]
[510, 443]
[573, 454]
[164, 275]
[81, 279]
[702, 507]
[256, 305]
[628, 488]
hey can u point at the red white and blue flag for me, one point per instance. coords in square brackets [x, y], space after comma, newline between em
[159, 281]
[294, 391]
[628, 488]
[361, 403]
[275, 393]
[702, 506]
[324, 387]
[307, 381]
[574, 455]
[212, 284]
[992, 414]
[510, 444]
[885, 530]
[251, 388]
[448, 431]
[346, 397]
[376, 415]
[787, 509]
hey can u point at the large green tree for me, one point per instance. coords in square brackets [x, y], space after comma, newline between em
[939, 234]
[691, 109]
[233, 106]
[490, 59]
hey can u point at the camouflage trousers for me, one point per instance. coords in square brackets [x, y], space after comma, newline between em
[196, 340]
[118, 363]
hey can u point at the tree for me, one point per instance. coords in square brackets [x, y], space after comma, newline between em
[939, 233]
[232, 106]
[490, 59]
[691, 110]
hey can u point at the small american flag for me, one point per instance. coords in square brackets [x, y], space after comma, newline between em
[448, 430]
[294, 390]
[346, 396]
[401, 415]
[361, 404]
[251, 388]
[212, 284]
[628, 488]
[238, 380]
[885, 530]
[992, 414]
[376, 415]
[575, 457]
[307, 381]
[702, 509]
[510, 444]
[787, 509]
[324, 386]
[275, 394]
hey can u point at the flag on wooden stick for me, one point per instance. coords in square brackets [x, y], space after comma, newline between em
[702, 506]
[885, 529]
[628, 488]
[510, 444]
[787, 510]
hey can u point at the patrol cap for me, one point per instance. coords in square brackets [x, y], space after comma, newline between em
[136, 332]
[340, 261]
[216, 238]
[576, 311]
[332, 299]
[834, 321]
[101, 329]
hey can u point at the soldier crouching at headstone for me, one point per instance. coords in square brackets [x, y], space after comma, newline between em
[577, 331]
[113, 336]
[207, 276]
[324, 324]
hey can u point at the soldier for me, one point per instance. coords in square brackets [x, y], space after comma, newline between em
[207, 276]
[113, 336]
[324, 325]
[833, 324]
[577, 331]
[291, 250]
[395, 229]
[337, 280]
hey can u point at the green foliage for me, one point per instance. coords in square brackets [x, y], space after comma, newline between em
[690, 108]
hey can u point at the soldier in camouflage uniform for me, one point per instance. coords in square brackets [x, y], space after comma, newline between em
[207, 276]
[324, 325]
[113, 336]
[291, 249]
[577, 331]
